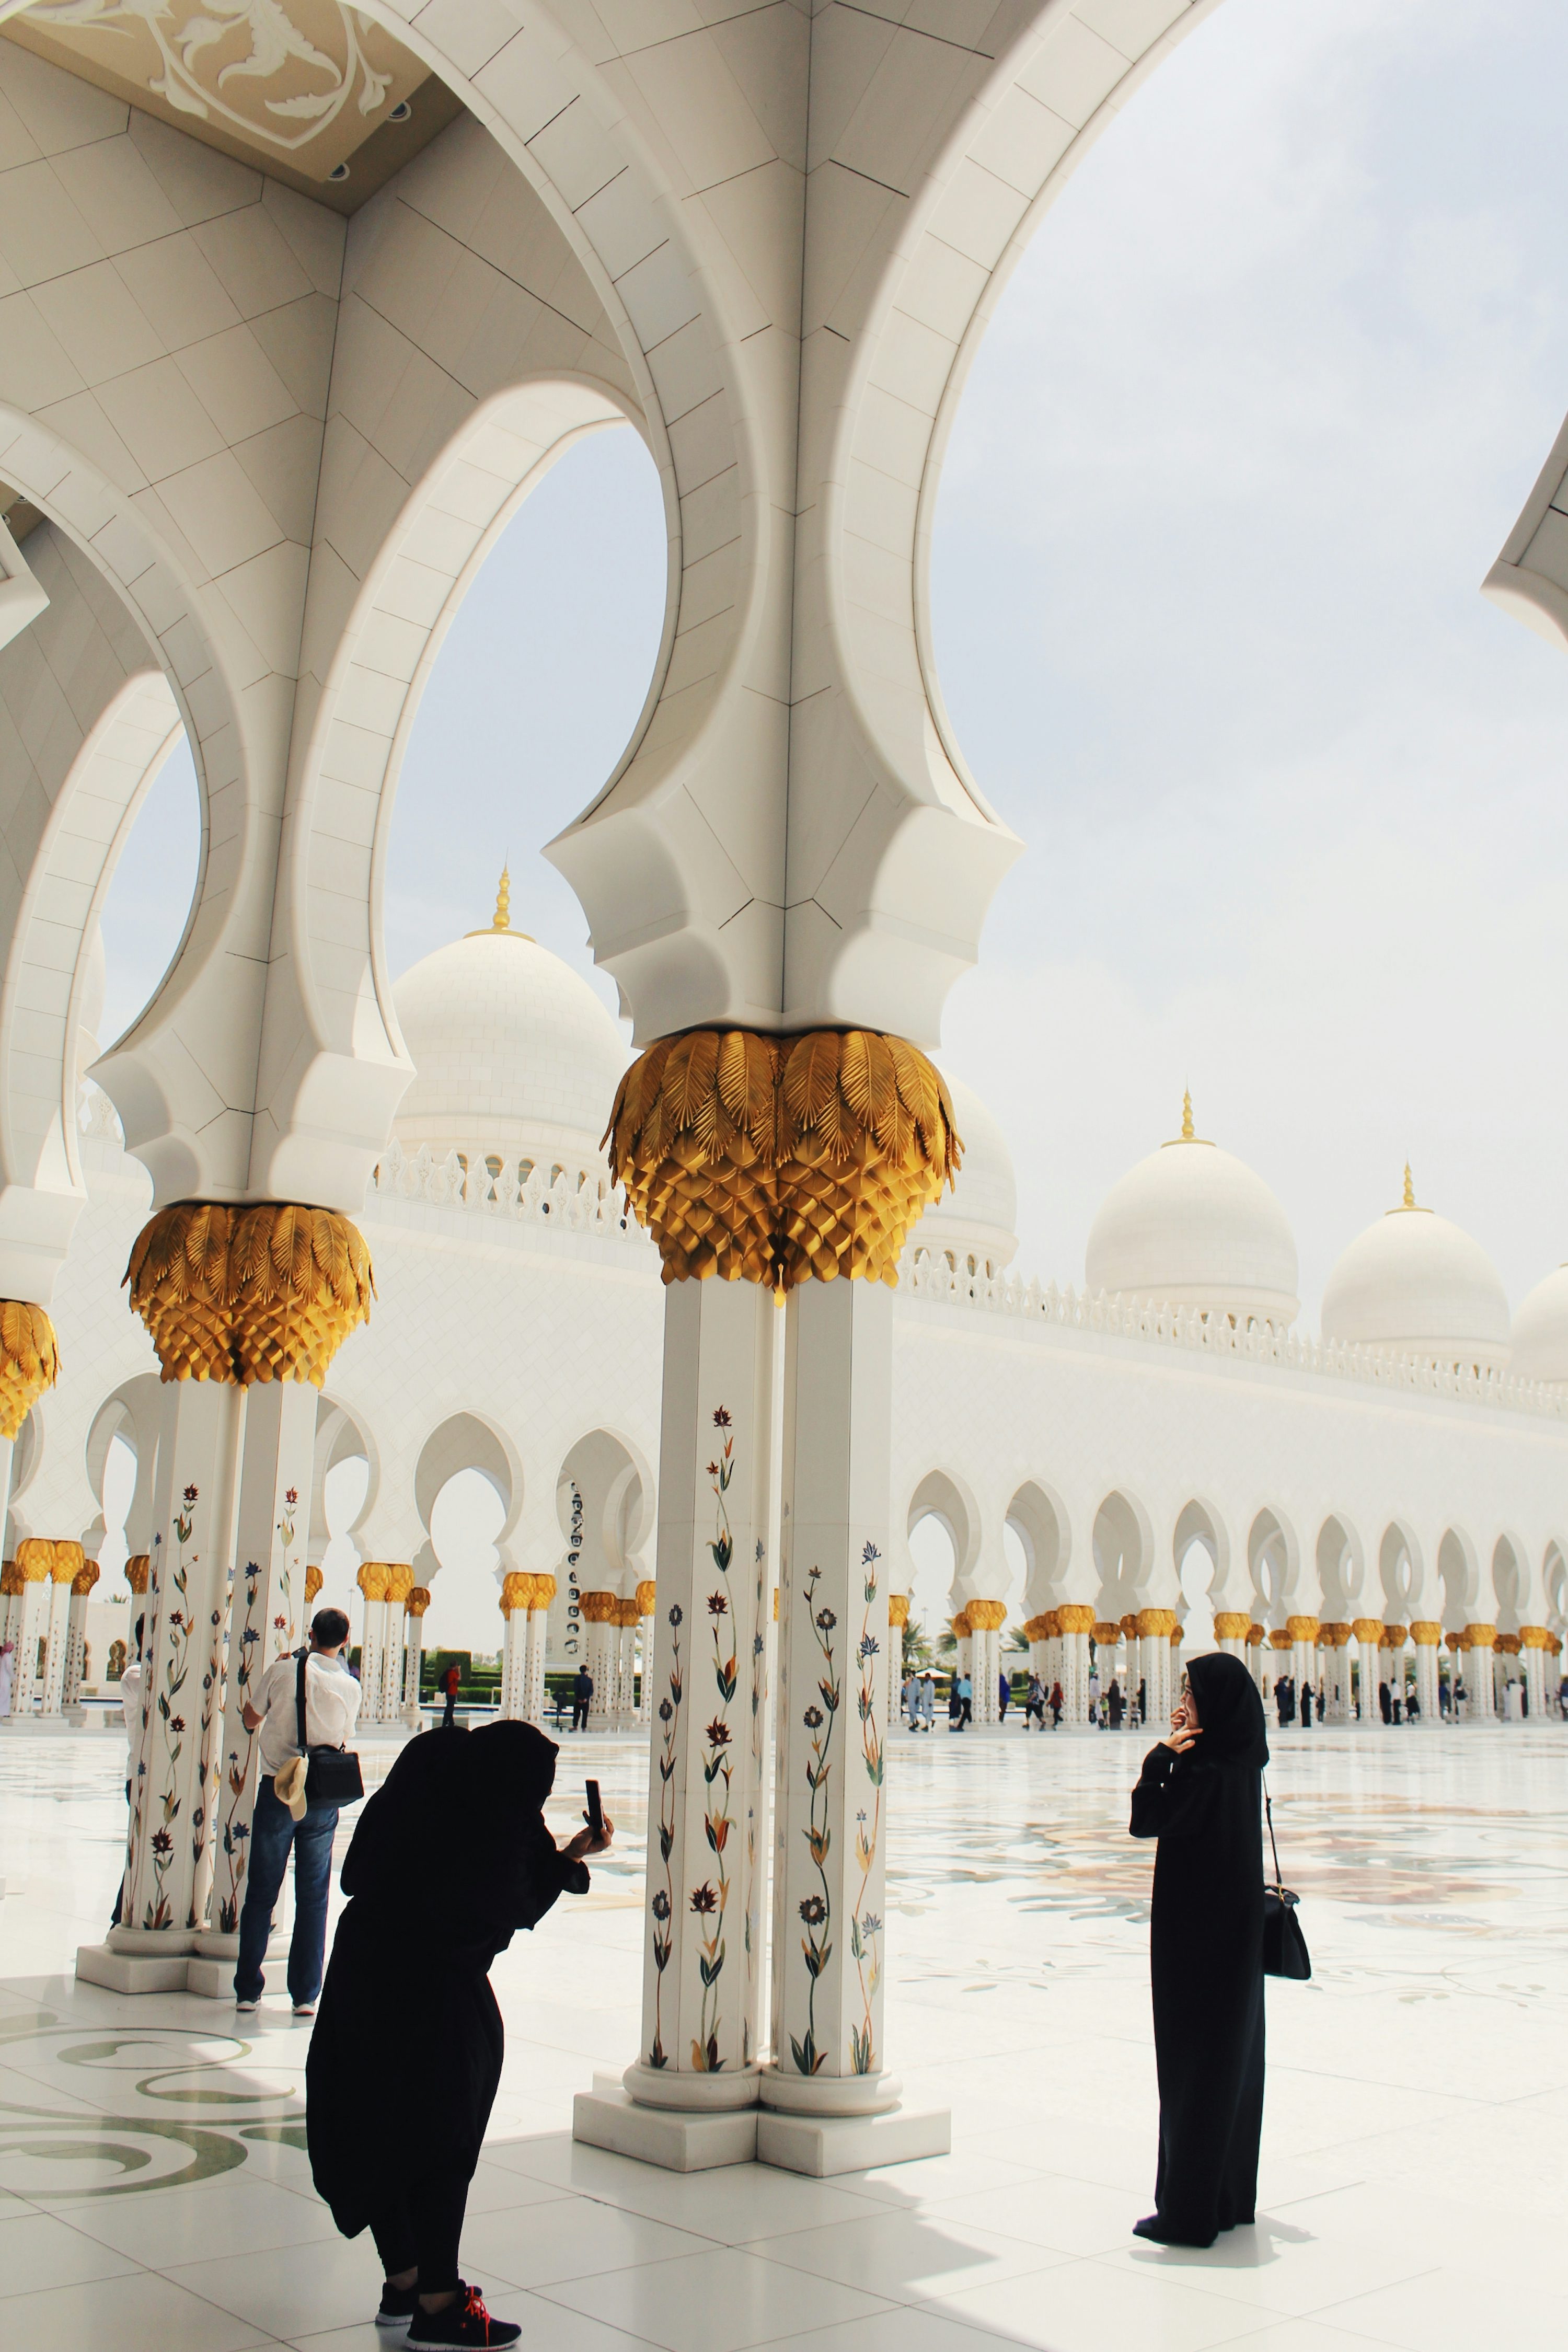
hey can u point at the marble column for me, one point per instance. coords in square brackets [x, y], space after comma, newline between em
[647, 1597]
[1427, 1634]
[962, 1634]
[701, 1982]
[399, 1585]
[169, 1850]
[66, 1566]
[987, 1619]
[1394, 1639]
[372, 1579]
[266, 1619]
[1304, 1633]
[1459, 1664]
[35, 1571]
[830, 1803]
[1368, 1632]
[414, 1608]
[1155, 1627]
[13, 1592]
[82, 1583]
[1533, 1641]
[601, 1619]
[516, 1591]
[1077, 1619]
[1257, 1655]
[897, 1618]
[1335, 1656]
[538, 1642]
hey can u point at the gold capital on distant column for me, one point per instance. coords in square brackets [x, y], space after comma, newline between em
[29, 1361]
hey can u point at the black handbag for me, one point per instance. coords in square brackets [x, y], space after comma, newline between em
[333, 1776]
[1285, 1952]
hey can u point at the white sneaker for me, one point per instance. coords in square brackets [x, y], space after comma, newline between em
[304, 2009]
[244, 2008]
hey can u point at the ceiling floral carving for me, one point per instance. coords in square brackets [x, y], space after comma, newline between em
[306, 81]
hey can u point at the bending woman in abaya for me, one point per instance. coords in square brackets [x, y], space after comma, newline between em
[1200, 1795]
[450, 1858]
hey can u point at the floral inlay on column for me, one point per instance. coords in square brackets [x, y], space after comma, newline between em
[866, 1926]
[817, 1910]
[662, 1903]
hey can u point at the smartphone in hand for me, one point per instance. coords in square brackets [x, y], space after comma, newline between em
[596, 1811]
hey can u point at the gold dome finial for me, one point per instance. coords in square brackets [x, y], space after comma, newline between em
[1409, 1188]
[1187, 1132]
[503, 900]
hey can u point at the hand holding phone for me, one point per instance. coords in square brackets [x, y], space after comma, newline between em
[594, 1816]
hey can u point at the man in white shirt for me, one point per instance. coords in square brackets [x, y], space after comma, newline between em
[331, 1710]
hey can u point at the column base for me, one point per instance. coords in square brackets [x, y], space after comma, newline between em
[677, 2140]
[135, 1972]
[692, 2094]
[824, 2144]
[816, 2095]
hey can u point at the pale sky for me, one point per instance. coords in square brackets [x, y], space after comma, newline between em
[1253, 418]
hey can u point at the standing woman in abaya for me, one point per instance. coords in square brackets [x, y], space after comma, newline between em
[450, 1858]
[1200, 1795]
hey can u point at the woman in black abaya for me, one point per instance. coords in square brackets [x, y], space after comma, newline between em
[1200, 1795]
[450, 1858]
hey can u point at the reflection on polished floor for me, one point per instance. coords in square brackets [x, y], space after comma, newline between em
[154, 2192]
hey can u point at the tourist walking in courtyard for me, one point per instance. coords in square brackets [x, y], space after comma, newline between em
[331, 1709]
[928, 1700]
[451, 1856]
[1004, 1694]
[910, 1696]
[1114, 1706]
[966, 1697]
[1200, 1795]
[451, 1683]
[1306, 1707]
[582, 1695]
[1035, 1706]
[8, 1661]
[1058, 1703]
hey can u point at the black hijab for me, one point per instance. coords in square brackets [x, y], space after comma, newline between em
[1230, 1712]
[460, 1816]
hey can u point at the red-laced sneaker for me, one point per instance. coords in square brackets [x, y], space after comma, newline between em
[465, 2326]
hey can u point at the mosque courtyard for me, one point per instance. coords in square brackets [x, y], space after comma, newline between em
[156, 2194]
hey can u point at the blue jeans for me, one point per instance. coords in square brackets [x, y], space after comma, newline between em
[273, 1830]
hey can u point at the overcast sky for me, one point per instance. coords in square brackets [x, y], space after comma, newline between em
[1252, 423]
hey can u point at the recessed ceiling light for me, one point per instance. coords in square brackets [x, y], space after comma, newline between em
[401, 111]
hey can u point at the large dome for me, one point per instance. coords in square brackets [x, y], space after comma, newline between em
[1541, 1332]
[509, 1047]
[973, 1224]
[1192, 1226]
[1414, 1284]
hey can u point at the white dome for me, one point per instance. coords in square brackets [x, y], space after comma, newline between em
[976, 1218]
[1193, 1226]
[1414, 1284]
[1541, 1332]
[509, 1047]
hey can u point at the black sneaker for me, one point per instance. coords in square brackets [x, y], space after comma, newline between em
[465, 2326]
[396, 2308]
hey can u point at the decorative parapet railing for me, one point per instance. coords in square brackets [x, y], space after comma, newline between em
[932, 1278]
[575, 1200]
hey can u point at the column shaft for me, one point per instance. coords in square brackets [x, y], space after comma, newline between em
[169, 1852]
[830, 1833]
[32, 1623]
[58, 1642]
[536, 1641]
[703, 1948]
[277, 1449]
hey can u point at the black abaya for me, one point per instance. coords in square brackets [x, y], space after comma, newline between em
[1205, 1950]
[451, 1856]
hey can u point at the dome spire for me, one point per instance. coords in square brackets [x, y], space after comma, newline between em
[503, 899]
[1187, 1131]
[1409, 1188]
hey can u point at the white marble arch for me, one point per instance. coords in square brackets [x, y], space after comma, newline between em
[1040, 1520]
[1402, 1570]
[943, 1496]
[1274, 1560]
[132, 1413]
[1126, 1564]
[1200, 1522]
[1460, 1576]
[1342, 1568]
[341, 1436]
[467, 1441]
[1512, 1582]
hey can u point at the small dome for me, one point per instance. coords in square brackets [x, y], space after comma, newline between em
[510, 1046]
[1414, 1284]
[1192, 1226]
[1541, 1332]
[975, 1220]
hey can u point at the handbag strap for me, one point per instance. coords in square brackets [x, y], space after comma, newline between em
[1268, 1812]
[299, 1704]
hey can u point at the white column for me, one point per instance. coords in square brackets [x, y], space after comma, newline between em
[372, 1580]
[600, 1633]
[830, 1808]
[1368, 1632]
[646, 1597]
[1076, 1618]
[514, 1600]
[1427, 1634]
[67, 1559]
[30, 1620]
[702, 1950]
[1257, 1655]
[538, 1640]
[897, 1618]
[414, 1654]
[267, 1617]
[399, 1585]
[169, 1852]
[76, 1635]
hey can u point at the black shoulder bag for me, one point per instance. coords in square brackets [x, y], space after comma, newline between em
[1285, 1952]
[333, 1776]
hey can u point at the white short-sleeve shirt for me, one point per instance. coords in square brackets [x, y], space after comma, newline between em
[331, 1708]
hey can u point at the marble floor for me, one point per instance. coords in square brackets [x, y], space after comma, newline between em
[154, 2194]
